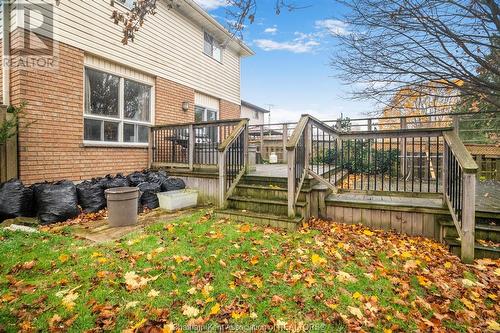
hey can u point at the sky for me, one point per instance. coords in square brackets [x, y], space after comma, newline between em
[290, 71]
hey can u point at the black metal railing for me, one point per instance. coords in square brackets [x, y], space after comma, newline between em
[454, 180]
[170, 144]
[235, 160]
[300, 159]
[379, 161]
[190, 143]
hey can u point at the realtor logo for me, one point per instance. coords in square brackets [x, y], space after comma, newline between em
[32, 44]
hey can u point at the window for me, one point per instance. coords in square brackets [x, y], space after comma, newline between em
[127, 3]
[212, 48]
[202, 114]
[256, 115]
[116, 109]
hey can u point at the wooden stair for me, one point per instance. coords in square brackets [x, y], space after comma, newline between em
[263, 200]
[485, 234]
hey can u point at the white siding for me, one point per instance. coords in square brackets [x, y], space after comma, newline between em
[249, 113]
[206, 101]
[168, 45]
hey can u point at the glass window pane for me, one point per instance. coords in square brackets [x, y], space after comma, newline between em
[101, 93]
[110, 131]
[208, 42]
[217, 53]
[128, 133]
[143, 133]
[92, 130]
[198, 114]
[127, 3]
[211, 115]
[137, 101]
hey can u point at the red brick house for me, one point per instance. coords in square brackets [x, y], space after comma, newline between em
[91, 99]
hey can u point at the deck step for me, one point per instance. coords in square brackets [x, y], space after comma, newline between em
[483, 232]
[480, 251]
[269, 192]
[261, 219]
[265, 206]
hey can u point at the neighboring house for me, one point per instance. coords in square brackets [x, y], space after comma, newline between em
[91, 108]
[253, 112]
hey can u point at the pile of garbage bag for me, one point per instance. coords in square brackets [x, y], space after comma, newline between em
[54, 202]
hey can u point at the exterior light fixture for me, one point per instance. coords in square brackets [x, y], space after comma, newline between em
[185, 106]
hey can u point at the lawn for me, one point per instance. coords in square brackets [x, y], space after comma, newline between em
[200, 272]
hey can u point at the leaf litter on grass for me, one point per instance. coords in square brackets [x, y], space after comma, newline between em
[199, 271]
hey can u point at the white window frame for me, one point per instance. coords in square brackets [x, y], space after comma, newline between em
[121, 120]
[124, 5]
[215, 44]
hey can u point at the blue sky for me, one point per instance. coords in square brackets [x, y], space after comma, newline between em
[291, 67]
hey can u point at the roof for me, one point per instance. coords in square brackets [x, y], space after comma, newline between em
[199, 15]
[254, 107]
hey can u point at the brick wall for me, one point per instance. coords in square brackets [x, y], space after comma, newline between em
[169, 98]
[51, 148]
[229, 110]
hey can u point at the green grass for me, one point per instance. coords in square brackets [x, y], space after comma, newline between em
[205, 263]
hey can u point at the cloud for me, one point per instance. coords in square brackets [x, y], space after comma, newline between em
[211, 4]
[271, 30]
[295, 46]
[335, 27]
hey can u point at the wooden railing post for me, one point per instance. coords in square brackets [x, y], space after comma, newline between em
[245, 148]
[192, 143]
[262, 141]
[468, 217]
[150, 148]
[456, 123]
[307, 144]
[291, 183]
[222, 179]
[445, 171]
[285, 140]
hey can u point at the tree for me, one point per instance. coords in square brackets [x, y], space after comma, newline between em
[238, 12]
[396, 44]
[9, 126]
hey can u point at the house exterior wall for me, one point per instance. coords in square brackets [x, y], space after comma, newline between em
[169, 45]
[229, 110]
[52, 147]
[249, 113]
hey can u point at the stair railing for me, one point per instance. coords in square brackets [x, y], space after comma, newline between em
[299, 157]
[459, 191]
[233, 160]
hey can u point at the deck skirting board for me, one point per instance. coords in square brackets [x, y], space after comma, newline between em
[413, 223]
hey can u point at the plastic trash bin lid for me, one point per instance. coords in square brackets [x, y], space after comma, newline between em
[122, 190]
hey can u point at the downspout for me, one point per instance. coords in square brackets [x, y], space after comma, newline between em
[6, 52]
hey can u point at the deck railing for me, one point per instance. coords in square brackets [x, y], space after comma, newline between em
[420, 160]
[472, 127]
[233, 157]
[459, 179]
[190, 144]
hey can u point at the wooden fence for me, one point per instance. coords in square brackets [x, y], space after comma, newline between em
[8, 153]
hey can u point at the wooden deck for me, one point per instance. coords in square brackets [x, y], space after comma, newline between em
[487, 194]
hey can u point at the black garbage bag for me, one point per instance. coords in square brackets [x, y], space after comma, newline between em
[112, 182]
[158, 177]
[172, 184]
[91, 196]
[135, 178]
[149, 198]
[56, 202]
[15, 200]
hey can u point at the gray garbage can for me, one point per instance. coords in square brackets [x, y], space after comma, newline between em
[122, 206]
